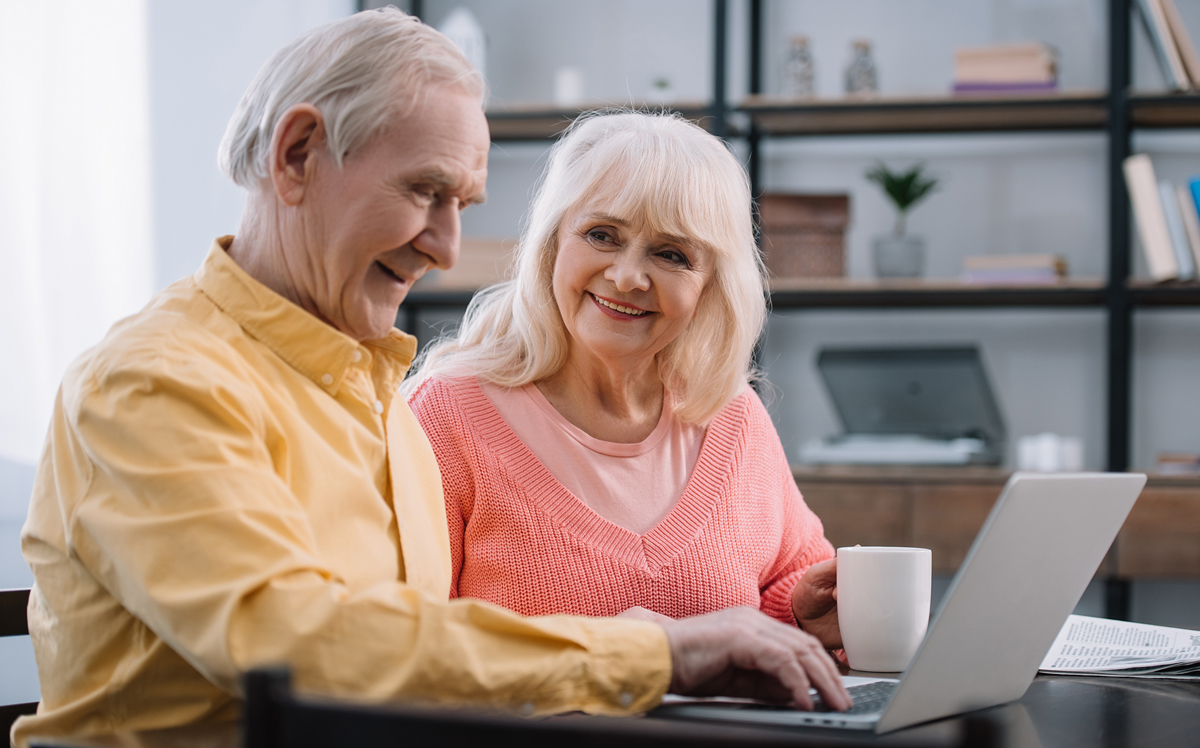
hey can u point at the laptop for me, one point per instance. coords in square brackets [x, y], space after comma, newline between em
[909, 406]
[1029, 565]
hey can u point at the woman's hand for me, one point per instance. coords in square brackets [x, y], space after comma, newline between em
[814, 603]
[744, 652]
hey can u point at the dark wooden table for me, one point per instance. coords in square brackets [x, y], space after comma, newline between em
[1056, 712]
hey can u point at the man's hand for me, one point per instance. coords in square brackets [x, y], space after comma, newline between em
[743, 652]
[814, 603]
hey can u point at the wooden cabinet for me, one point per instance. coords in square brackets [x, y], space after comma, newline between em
[943, 508]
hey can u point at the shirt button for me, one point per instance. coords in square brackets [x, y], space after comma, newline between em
[356, 356]
[378, 406]
[626, 699]
[327, 379]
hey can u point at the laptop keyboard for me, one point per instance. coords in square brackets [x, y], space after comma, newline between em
[868, 698]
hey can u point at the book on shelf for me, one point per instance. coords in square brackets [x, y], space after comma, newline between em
[1178, 463]
[1123, 649]
[1013, 270]
[1183, 41]
[1150, 217]
[1190, 213]
[1179, 240]
[1025, 66]
[1163, 41]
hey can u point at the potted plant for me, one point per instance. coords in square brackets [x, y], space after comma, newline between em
[898, 255]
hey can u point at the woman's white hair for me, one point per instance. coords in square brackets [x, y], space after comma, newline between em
[360, 72]
[654, 170]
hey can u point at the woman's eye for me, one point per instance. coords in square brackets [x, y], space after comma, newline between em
[600, 236]
[674, 256]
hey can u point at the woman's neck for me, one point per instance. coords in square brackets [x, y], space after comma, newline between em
[611, 403]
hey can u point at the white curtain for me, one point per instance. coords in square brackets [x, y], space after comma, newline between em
[75, 212]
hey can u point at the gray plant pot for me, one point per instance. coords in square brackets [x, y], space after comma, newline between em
[899, 257]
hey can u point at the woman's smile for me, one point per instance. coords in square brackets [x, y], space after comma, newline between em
[617, 310]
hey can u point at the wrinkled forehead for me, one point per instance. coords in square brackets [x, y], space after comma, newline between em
[666, 201]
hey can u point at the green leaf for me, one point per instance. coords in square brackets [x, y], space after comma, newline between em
[906, 188]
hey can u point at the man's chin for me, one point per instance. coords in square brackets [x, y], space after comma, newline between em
[377, 323]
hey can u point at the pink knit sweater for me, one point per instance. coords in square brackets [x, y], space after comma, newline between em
[739, 535]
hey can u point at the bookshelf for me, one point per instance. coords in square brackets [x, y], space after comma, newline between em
[776, 117]
[1114, 113]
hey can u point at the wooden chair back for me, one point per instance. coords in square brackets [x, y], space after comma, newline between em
[13, 622]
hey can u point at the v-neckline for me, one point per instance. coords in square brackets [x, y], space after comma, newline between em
[649, 552]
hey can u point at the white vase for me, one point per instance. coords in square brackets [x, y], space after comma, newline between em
[899, 256]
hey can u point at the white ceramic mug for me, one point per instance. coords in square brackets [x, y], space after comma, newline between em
[883, 604]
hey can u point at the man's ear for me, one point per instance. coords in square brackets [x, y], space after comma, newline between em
[298, 138]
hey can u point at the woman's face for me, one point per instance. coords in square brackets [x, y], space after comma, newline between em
[625, 292]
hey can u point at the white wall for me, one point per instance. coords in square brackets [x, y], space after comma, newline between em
[203, 56]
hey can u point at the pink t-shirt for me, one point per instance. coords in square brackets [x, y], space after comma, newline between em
[633, 486]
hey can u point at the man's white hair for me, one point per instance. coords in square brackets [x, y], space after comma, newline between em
[654, 170]
[361, 72]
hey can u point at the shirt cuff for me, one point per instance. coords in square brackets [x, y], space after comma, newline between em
[631, 664]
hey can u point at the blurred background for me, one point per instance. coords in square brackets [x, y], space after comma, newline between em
[109, 191]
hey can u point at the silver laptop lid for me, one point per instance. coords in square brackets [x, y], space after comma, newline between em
[1028, 567]
[941, 393]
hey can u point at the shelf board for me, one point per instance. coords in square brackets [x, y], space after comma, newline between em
[540, 121]
[1171, 293]
[1083, 110]
[850, 294]
[842, 293]
[1167, 110]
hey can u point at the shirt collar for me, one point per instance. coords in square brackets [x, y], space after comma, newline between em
[312, 347]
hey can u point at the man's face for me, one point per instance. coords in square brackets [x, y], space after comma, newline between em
[391, 212]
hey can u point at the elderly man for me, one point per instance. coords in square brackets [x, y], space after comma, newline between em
[229, 479]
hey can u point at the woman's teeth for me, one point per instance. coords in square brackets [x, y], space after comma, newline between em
[619, 308]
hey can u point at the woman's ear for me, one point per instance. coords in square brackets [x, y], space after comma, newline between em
[298, 138]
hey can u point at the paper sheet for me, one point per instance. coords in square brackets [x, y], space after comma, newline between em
[1100, 646]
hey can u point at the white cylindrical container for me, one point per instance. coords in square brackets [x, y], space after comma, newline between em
[883, 604]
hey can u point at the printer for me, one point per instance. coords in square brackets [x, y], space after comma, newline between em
[909, 406]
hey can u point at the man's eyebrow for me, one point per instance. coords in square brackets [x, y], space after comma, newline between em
[443, 181]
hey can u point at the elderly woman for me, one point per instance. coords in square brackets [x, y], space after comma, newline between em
[599, 445]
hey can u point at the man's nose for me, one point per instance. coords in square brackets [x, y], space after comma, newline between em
[628, 271]
[441, 237]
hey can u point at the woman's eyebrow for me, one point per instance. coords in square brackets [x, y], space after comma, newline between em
[608, 218]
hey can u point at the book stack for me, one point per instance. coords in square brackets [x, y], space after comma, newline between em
[1172, 45]
[1014, 270]
[1005, 68]
[1168, 220]
[1179, 463]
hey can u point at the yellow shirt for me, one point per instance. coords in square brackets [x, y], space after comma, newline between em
[230, 482]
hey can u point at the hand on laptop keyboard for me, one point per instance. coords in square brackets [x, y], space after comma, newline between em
[744, 652]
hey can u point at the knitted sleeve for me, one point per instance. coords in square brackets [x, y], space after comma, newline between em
[802, 542]
[436, 407]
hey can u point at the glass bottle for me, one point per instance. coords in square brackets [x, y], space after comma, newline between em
[799, 75]
[860, 74]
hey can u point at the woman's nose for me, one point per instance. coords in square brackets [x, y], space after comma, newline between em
[628, 272]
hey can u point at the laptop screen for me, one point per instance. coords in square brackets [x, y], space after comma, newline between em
[939, 393]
